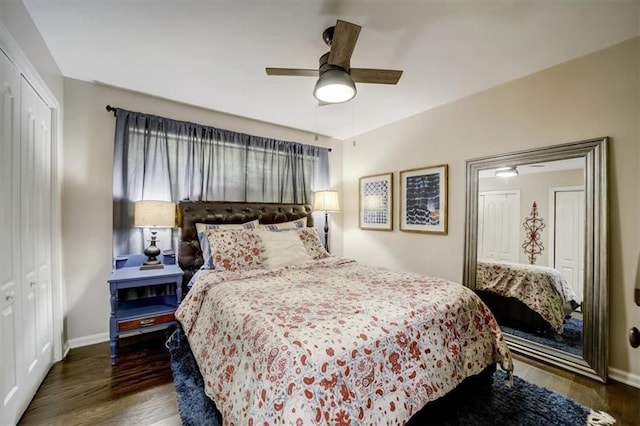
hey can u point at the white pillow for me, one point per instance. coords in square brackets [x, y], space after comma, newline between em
[202, 227]
[294, 224]
[283, 249]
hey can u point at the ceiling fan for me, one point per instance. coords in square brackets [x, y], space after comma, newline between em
[336, 82]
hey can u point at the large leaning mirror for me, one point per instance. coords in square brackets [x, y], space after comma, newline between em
[536, 250]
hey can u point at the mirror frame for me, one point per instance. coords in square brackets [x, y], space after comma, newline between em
[594, 362]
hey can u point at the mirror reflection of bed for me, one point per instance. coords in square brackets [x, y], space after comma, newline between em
[539, 301]
[533, 302]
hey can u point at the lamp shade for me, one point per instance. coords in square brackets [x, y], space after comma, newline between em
[334, 86]
[154, 214]
[326, 201]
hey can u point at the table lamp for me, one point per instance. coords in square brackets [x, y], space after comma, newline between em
[153, 214]
[326, 201]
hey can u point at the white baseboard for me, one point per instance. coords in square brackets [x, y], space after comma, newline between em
[624, 377]
[79, 342]
[88, 340]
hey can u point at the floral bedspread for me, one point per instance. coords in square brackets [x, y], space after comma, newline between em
[542, 289]
[334, 342]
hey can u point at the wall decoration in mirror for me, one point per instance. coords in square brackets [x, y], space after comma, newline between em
[552, 304]
[533, 226]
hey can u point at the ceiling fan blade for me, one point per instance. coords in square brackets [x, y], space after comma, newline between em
[374, 75]
[292, 72]
[344, 41]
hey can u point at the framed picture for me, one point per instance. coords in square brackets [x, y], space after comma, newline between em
[376, 202]
[423, 200]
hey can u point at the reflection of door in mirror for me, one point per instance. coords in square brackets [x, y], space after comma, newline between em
[499, 225]
[566, 209]
[536, 302]
[526, 250]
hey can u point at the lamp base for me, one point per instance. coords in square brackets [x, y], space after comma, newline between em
[326, 231]
[144, 266]
[152, 252]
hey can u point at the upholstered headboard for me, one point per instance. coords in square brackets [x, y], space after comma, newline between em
[192, 212]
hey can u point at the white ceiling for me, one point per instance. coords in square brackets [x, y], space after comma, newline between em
[213, 53]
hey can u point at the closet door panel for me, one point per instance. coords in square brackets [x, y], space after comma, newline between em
[27, 213]
[10, 288]
[36, 241]
[44, 329]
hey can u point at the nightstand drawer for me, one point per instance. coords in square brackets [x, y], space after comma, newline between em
[146, 321]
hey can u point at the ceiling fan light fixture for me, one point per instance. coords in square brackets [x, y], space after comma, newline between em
[334, 86]
[506, 171]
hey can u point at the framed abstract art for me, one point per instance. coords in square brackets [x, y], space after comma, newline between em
[376, 202]
[423, 200]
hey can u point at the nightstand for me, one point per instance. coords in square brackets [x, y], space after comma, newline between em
[150, 312]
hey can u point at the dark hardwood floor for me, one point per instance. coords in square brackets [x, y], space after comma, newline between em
[85, 390]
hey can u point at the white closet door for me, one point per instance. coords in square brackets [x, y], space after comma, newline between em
[36, 235]
[569, 237]
[44, 332]
[498, 223]
[11, 341]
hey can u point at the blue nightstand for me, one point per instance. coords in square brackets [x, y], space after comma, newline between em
[130, 315]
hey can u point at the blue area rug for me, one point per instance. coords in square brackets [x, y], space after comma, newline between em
[479, 403]
[569, 341]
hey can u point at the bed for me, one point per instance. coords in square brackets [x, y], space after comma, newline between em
[533, 297]
[324, 340]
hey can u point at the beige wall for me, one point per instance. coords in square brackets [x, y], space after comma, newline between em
[87, 188]
[534, 187]
[592, 96]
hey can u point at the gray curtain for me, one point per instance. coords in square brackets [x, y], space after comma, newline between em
[157, 158]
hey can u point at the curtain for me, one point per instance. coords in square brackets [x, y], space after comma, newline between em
[157, 158]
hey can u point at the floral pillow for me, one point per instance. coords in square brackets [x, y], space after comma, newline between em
[311, 242]
[201, 229]
[294, 224]
[233, 249]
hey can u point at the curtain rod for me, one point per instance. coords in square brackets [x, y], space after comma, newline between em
[114, 109]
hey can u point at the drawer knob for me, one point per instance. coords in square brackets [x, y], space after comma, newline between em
[32, 284]
[147, 322]
[9, 297]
